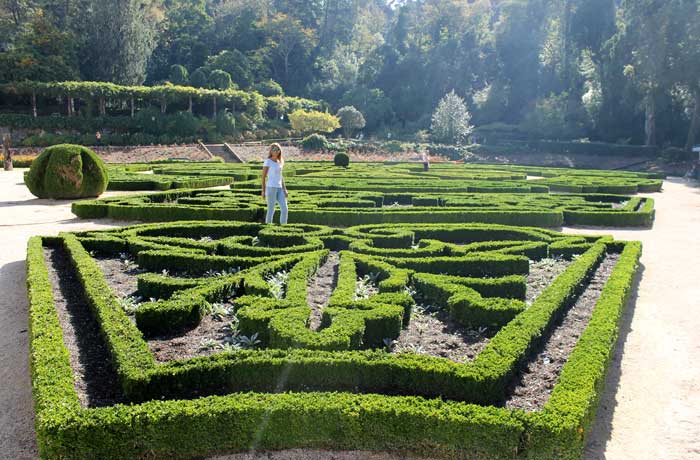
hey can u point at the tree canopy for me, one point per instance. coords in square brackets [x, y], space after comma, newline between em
[610, 70]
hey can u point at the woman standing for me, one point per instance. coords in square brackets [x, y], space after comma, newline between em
[273, 186]
[426, 160]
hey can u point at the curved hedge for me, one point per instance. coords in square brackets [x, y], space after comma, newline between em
[296, 394]
[67, 171]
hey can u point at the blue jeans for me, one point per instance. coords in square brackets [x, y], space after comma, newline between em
[275, 194]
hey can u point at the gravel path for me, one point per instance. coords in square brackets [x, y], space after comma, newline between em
[23, 216]
[651, 407]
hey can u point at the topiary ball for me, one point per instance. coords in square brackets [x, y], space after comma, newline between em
[67, 171]
[341, 159]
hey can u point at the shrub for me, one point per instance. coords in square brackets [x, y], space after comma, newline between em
[315, 142]
[675, 154]
[393, 146]
[313, 121]
[226, 122]
[183, 124]
[343, 399]
[67, 171]
[22, 161]
[341, 159]
[269, 88]
[178, 75]
[450, 151]
[350, 119]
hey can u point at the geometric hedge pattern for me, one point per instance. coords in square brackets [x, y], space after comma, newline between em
[335, 387]
[385, 193]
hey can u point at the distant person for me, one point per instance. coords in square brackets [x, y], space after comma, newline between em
[273, 187]
[426, 160]
[98, 138]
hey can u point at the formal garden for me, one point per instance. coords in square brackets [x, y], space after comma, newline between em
[484, 246]
[438, 313]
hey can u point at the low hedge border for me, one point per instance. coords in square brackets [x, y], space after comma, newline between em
[447, 429]
[325, 208]
[196, 427]
[185, 307]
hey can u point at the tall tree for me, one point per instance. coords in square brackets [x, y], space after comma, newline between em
[647, 24]
[41, 52]
[290, 45]
[121, 35]
[184, 40]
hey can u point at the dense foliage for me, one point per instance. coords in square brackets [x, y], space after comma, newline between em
[67, 171]
[618, 71]
[333, 388]
[341, 159]
[365, 193]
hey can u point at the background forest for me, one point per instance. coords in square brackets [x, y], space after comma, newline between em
[618, 71]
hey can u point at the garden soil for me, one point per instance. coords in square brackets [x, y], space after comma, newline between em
[651, 405]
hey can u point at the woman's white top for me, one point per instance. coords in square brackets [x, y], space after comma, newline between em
[274, 173]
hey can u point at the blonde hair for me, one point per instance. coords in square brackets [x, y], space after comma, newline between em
[277, 147]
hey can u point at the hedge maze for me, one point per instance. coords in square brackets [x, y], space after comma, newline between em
[385, 193]
[238, 336]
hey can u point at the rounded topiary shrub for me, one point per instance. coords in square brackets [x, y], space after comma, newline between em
[341, 159]
[67, 171]
[315, 142]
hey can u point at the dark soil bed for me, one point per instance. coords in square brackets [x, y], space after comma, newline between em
[93, 375]
[533, 385]
[432, 332]
[209, 337]
[541, 275]
[320, 287]
[121, 275]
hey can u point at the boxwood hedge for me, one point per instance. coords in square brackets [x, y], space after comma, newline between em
[319, 389]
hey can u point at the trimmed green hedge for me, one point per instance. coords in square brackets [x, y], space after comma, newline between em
[357, 399]
[67, 171]
[373, 194]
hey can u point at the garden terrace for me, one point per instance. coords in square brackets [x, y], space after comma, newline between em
[340, 208]
[376, 193]
[263, 366]
[138, 177]
[441, 177]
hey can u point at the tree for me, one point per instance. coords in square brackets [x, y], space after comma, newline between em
[686, 63]
[42, 52]
[350, 119]
[199, 78]
[373, 103]
[647, 28]
[451, 119]
[313, 122]
[120, 38]
[290, 46]
[178, 75]
[235, 64]
[184, 39]
[220, 79]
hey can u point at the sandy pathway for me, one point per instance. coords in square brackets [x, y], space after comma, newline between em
[22, 216]
[651, 408]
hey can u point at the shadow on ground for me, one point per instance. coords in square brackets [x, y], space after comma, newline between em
[601, 430]
[17, 438]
